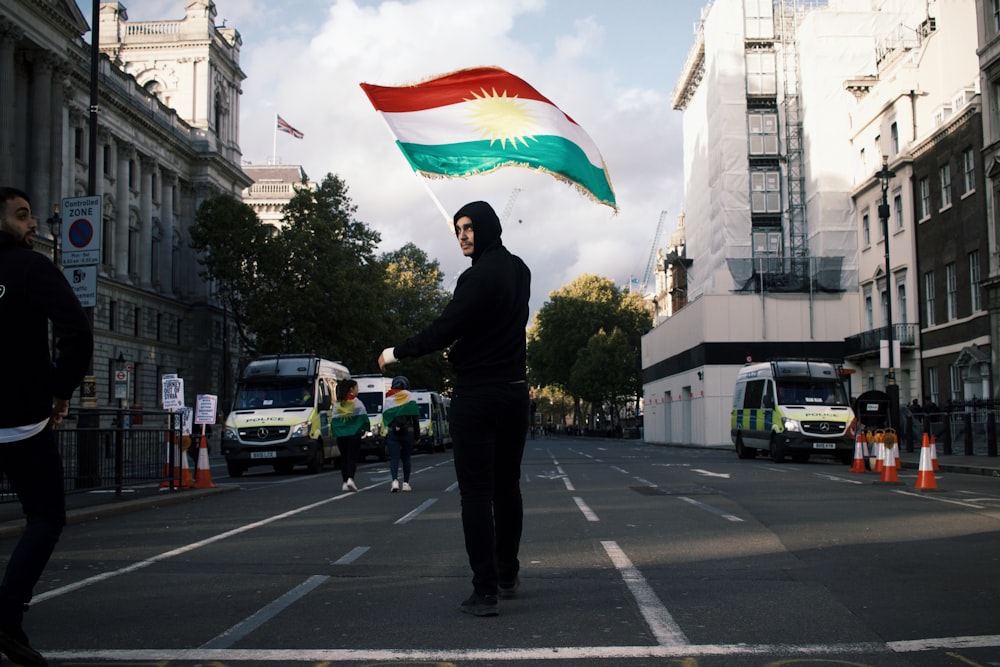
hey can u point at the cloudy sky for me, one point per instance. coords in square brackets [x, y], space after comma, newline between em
[610, 65]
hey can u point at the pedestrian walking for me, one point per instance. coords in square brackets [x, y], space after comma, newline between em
[484, 328]
[349, 423]
[401, 415]
[33, 293]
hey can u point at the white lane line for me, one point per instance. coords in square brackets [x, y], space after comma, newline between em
[659, 620]
[179, 551]
[416, 512]
[834, 478]
[587, 512]
[941, 500]
[568, 484]
[351, 556]
[645, 482]
[452, 487]
[621, 470]
[265, 614]
[708, 508]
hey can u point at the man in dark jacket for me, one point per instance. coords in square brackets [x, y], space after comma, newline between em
[34, 395]
[485, 326]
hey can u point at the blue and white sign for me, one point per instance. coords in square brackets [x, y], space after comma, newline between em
[81, 231]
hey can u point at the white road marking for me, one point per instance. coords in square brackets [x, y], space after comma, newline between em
[724, 475]
[416, 512]
[265, 614]
[941, 500]
[351, 556]
[587, 512]
[708, 508]
[659, 620]
[834, 478]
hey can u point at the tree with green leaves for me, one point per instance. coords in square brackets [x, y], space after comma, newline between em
[565, 325]
[414, 296]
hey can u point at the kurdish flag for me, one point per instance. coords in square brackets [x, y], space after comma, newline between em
[477, 120]
[398, 404]
[349, 418]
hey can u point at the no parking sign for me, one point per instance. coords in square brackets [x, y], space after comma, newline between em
[81, 231]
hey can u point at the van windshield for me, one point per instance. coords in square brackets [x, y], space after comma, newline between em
[274, 395]
[372, 401]
[811, 393]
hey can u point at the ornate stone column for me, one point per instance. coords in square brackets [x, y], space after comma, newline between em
[146, 165]
[40, 142]
[168, 180]
[9, 34]
[123, 154]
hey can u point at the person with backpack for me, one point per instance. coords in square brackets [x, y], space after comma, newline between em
[401, 415]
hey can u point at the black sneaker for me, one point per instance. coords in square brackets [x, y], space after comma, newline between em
[14, 643]
[508, 590]
[481, 605]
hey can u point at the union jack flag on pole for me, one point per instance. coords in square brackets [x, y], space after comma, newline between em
[283, 126]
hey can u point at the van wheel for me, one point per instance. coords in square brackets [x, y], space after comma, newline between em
[315, 464]
[234, 469]
[777, 451]
[743, 451]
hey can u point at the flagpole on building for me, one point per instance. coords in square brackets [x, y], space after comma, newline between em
[274, 143]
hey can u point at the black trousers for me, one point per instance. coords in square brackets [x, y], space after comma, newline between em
[350, 452]
[488, 428]
[35, 472]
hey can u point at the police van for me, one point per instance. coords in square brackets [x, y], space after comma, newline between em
[281, 414]
[792, 408]
[371, 391]
[435, 432]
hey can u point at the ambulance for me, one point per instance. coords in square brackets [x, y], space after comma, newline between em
[435, 433]
[792, 408]
[281, 414]
[371, 391]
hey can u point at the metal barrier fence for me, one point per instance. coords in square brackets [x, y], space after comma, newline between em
[966, 428]
[104, 449]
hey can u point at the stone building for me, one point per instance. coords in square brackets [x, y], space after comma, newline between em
[167, 138]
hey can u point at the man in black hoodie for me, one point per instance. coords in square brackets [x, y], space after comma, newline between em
[34, 395]
[485, 326]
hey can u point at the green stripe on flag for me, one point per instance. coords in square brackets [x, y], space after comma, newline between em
[549, 153]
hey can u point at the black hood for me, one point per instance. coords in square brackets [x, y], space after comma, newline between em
[485, 226]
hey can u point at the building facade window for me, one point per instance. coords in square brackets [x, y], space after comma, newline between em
[107, 242]
[969, 169]
[79, 145]
[974, 278]
[924, 189]
[901, 302]
[956, 381]
[869, 309]
[763, 128]
[894, 138]
[761, 74]
[933, 386]
[866, 231]
[112, 315]
[951, 291]
[944, 175]
[137, 322]
[929, 298]
[765, 192]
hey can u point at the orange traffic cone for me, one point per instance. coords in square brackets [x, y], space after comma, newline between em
[859, 455]
[203, 472]
[187, 481]
[934, 462]
[889, 475]
[879, 451]
[925, 474]
[173, 476]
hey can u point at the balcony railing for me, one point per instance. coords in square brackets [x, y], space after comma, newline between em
[867, 342]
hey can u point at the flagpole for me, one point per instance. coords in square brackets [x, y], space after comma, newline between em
[437, 202]
[274, 144]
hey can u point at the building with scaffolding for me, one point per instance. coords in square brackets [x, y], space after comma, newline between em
[769, 216]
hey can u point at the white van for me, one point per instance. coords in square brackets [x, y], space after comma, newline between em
[435, 431]
[796, 408]
[281, 414]
[371, 391]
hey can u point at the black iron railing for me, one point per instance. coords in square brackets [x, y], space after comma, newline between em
[867, 342]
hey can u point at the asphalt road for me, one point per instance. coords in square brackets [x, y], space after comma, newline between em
[632, 555]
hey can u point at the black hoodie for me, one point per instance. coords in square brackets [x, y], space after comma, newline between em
[34, 292]
[485, 321]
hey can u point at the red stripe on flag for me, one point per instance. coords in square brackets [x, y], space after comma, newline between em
[452, 88]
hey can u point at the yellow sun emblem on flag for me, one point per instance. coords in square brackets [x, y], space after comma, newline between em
[502, 118]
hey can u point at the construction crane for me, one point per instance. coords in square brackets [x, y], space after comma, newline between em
[510, 205]
[652, 254]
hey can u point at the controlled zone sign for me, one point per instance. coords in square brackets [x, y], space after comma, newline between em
[81, 231]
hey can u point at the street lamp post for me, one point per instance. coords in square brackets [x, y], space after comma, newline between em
[891, 389]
